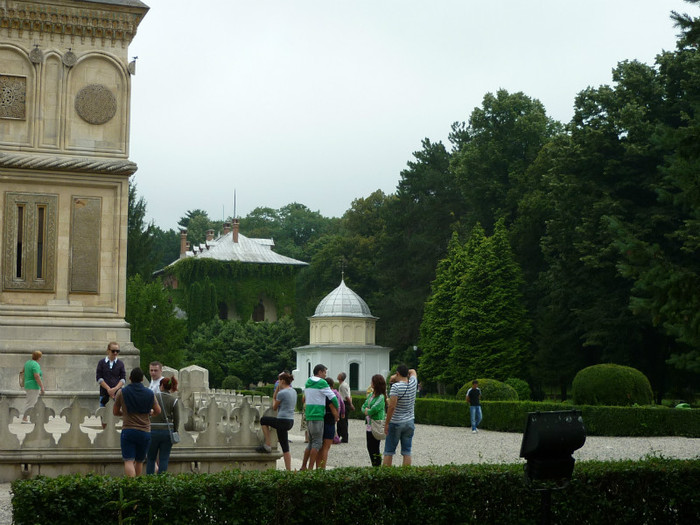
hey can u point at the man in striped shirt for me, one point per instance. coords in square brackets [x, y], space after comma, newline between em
[399, 425]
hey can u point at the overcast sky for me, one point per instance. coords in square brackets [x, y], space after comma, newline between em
[324, 101]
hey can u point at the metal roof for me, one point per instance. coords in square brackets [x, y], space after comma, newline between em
[342, 302]
[246, 250]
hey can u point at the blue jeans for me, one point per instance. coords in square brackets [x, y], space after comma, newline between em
[399, 433]
[160, 446]
[475, 412]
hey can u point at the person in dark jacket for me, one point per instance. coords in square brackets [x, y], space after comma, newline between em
[110, 374]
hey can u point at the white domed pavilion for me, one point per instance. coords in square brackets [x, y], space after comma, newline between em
[342, 337]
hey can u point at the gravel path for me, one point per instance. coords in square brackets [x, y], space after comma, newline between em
[436, 445]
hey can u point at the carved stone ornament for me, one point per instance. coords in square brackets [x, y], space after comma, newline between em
[13, 94]
[69, 59]
[36, 56]
[95, 104]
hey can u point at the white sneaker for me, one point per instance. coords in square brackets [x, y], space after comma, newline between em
[474, 431]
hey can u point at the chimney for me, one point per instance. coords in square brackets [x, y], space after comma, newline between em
[183, 242]
[235, 230]
[210, 235]
[227, 227]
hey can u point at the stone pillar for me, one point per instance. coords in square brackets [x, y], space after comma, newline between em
[64, 180]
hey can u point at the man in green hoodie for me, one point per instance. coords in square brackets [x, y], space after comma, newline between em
[316, 391]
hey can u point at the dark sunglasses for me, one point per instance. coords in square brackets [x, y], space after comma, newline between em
[115, 351]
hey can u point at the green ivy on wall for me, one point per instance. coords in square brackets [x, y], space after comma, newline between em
[236, 283]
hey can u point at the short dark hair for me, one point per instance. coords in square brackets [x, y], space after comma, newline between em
[136, 375]
[330, 382]
[319, 368]
[402, 370]
[342, 376]
[475, 382]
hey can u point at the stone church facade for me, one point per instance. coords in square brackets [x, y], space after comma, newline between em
[65, 92]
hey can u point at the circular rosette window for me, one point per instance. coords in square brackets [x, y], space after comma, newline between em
[95, 104]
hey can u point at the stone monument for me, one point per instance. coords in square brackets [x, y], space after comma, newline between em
[65, 83]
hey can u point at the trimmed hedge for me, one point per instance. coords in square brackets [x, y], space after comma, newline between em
[650, 491]
[612, 385]
[510, 416]
[491, 389]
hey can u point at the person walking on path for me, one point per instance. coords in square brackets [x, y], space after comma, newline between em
[110, 374]
[374, 410]
[135, 403]
[33, 383]
[474, 399]
[344, 390]
[316, 392]
[162, 425]
[399, 426]
[283, 400]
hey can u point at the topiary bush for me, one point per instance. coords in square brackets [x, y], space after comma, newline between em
[491, 390]
[232, 383]
[612, 385]
[521, 387]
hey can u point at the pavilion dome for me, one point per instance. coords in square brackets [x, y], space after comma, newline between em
[342, 302]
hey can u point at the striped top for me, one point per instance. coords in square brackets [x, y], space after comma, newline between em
[406, 394]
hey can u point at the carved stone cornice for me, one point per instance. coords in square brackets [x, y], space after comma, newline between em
[82, 21]
[65, 163]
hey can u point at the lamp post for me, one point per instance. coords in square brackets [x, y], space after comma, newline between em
[549, 441]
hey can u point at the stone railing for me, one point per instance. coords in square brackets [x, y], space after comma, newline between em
[221, 431]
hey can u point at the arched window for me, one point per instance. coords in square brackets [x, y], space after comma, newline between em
[354, 376]
[223, 311]
[259, 312]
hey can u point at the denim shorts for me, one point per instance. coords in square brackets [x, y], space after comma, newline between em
[399, 433]
[135, 444]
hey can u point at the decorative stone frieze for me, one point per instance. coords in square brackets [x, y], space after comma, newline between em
[78, 23]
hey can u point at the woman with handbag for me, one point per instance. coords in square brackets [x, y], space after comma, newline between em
[33, 383]
[374, 410]
[164, 427]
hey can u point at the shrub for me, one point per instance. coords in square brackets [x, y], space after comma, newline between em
[649, 491]
[232, 383]
[611, 385]
[521, 387]
[491, 390]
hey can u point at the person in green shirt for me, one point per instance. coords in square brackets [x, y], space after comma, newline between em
[33, 383]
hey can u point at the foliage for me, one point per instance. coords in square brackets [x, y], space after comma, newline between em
[521, 387]
[155, 330]
[651, 491]
[610, 384]
[250, 351]
[238, 283]
[418, 222]
[140, 241]
[475, 322]
[232, 383]
[491, 390]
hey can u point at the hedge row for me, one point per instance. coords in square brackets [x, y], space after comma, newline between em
[510, 416]
[650, 491]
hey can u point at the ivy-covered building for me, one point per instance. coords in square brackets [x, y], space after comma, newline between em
[234, 277]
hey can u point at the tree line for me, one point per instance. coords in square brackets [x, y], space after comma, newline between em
[524, 248]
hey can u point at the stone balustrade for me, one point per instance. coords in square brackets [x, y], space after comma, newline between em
[221, 431]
